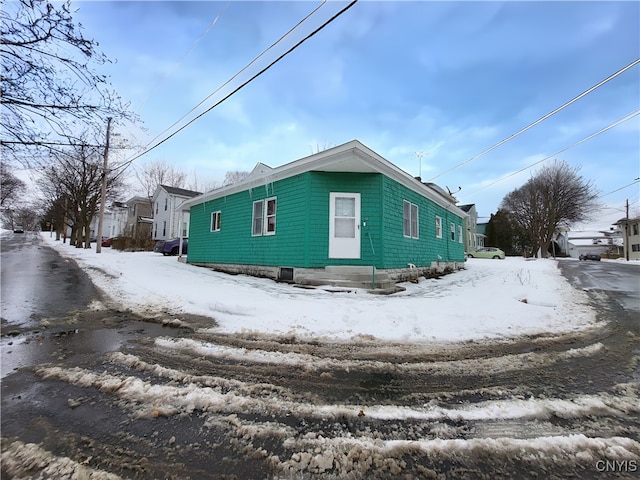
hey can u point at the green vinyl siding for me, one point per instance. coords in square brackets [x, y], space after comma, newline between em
[233, 243]
[400, 250]
[369, 186]
[302, 225]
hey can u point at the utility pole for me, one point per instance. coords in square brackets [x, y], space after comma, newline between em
[103, 190]
[626, 232]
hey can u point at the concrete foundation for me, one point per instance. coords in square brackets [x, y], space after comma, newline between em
[367, 277]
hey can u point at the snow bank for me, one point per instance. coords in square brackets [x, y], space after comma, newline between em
[489, 299]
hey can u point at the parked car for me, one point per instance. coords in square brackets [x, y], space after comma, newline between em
[171, 247]
[18, 229]
[106, 242]
[487, 252]
[590, 256]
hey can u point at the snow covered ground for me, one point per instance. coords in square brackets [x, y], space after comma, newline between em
[312, 408]
[489, 299]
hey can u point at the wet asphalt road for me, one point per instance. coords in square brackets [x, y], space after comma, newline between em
[38, 283]
[99, 409]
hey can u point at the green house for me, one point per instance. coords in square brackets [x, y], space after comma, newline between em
[344, 216]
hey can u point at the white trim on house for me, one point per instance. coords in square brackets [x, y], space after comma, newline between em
[264, 216]
[352, 156]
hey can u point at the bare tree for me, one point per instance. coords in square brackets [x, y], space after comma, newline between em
[25, 215]
[72, 186]
[49, 88]
[159, 172]
[234, 176]
[556, 196]
[321, 147]
[10, 185]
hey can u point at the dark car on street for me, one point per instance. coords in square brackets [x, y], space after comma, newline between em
[590, 256]
[171, 247]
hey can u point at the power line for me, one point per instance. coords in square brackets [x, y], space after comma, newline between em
[238, 73]
[608, 127]
[541, 119]
[621, 188]
[182, 59]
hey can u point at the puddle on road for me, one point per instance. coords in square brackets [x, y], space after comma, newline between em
[42, 346]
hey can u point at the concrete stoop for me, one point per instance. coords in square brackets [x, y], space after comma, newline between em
[347, 276]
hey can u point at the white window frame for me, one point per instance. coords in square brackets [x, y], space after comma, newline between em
[453, 232]
[268, 216]
[459, 234]
[215, 224]
[438, 227]
[256, 232]
[410, 224]
[260, 225]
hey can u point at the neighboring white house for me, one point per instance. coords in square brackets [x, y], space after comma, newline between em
[631, 234]
[115, 221]
[168, 220]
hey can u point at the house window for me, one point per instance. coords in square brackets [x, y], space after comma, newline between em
[215, 221]
[438, 227]
[258, 208]
[264, 217]
[164, 229]
[635, 229]
[156, 207]
[459, 234]
[155, 230]
[185, 233]
[410, 219]
[271, 216]
[635, 247]
[166, 202]
[453, 232]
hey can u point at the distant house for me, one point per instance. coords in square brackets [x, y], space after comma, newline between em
[603, 242]
[115, 221]
[168, 219]
[139, 218]
[473, 239]
[344, 214]
[630, 230]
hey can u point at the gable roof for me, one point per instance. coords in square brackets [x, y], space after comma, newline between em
[137, 199]
[180, 191]
[353, 157]
[467, 207]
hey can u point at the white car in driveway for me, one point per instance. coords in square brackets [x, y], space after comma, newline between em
[487, 252]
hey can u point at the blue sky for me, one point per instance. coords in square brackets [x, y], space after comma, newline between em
[447, 79]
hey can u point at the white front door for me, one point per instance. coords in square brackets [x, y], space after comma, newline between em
[344, 225]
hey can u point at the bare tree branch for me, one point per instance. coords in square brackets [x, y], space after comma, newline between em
[557, 196]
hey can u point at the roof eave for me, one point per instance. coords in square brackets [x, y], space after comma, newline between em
[324, 160]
